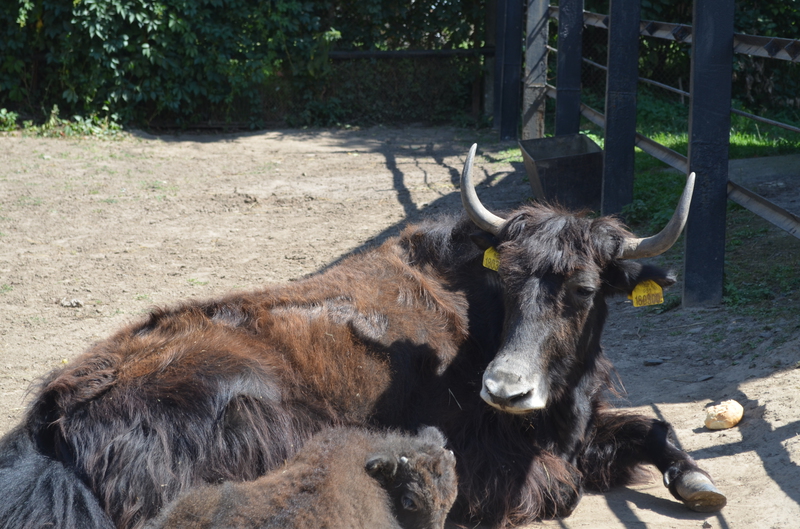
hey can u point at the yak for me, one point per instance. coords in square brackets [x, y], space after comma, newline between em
[486, 326]
[341, 478]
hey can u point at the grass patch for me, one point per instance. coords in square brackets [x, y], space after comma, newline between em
[762, 262]
[56, 127]
[510, 155]
[762, 267]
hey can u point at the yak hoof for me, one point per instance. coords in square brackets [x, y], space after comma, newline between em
[699, 493]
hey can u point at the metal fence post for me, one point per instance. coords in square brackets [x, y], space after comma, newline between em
[620, 129]
[568, 82]
[508, 59]
[489, 61]
[499, 50]
[535, 88]
[709, 139]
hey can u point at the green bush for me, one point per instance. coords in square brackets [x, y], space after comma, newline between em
[8, 120]
[168, 62]
[147, 59]
[191, 61]
[401, 24]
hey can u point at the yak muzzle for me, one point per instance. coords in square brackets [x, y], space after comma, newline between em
[514, 393]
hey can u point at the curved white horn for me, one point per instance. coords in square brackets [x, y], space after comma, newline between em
[635, 248]
[485, 219]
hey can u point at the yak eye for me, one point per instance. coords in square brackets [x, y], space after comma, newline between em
[408, 502]
[585, 292]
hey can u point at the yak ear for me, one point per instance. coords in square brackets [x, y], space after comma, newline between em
[382, 467]
[483, 240]
[623, 276]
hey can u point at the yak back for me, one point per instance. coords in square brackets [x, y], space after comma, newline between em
[228, 389]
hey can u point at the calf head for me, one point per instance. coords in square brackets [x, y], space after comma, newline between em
[556, 269]
[420, 478]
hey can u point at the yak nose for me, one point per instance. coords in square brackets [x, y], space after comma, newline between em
[505, 387]
[513, 392]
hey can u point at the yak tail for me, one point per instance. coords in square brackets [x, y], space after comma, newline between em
[38, 491]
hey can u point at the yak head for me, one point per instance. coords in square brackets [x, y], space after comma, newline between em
[420, 475]
[555, 269]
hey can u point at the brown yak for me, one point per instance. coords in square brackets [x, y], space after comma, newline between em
[505, 360]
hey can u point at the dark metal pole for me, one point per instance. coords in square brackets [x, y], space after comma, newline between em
[535, 90]
[499, 52]
[489, 62]
[568, 82]
[709, 133]
[509, 57]
[620, 129]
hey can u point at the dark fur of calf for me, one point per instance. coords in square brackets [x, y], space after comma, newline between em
[341, 478]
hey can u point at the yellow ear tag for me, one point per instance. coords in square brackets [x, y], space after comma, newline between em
[491, 259]
[647, 293]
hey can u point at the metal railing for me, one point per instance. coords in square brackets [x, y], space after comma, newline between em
[744, 197]
[769, 47]
[786, 49]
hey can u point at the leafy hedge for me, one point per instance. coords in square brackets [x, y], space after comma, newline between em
[194, 60]
[146, 58]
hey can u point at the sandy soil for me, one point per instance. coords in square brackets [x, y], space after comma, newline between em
[94, 233]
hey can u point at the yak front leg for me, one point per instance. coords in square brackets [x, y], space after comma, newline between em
[620, 443]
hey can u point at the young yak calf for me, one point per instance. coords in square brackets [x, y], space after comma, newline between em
[341, 478]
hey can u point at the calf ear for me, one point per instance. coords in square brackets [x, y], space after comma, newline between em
[623, 276]
[433, 435]
[382, 467]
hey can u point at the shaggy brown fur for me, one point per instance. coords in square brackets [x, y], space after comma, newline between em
[342, 477]
[398, 336]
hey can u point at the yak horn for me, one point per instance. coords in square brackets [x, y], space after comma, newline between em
[485, 219]
[635, 248]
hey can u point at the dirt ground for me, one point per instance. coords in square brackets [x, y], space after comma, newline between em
[95, 233]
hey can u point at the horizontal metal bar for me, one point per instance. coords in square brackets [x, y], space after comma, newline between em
[765, 120]
[757, 45]
[759, 205]
[764, 208]
[687, 94]
[395, 54]
[667, 87]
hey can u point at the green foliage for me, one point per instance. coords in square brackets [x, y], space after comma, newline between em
[400, 24]
[145, 59]
[55, 127]
[655, 194]
[658, 115]
[189, 61]
[766, 282]
[8, 120]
